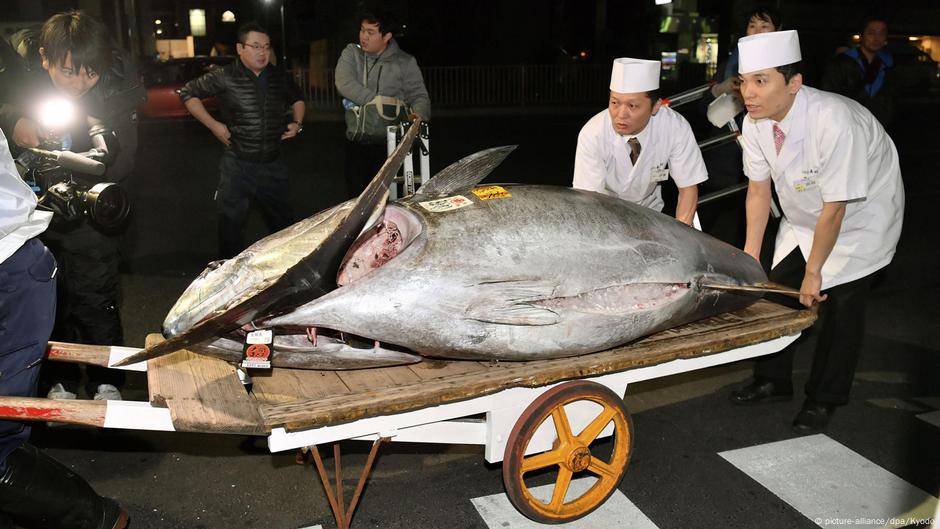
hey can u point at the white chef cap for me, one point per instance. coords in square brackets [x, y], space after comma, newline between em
[631, 76]
[768, 50]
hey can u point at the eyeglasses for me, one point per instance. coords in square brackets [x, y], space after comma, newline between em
[259, 47]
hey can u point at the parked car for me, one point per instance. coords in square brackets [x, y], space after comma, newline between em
[163, 80]
[915, 72]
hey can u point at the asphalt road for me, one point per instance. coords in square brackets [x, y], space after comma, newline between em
[677, 478]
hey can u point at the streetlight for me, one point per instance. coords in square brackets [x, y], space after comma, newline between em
[283, 35]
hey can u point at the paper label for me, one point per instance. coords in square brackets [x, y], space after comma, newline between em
[659, 173]
[259, 347]
[446, 204]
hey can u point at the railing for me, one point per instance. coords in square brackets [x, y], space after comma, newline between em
[485, 86]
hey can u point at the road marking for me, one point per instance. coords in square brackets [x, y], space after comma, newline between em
[894, 403]
[827, 482]
[932, 417]
[312, 527]
[617, 511]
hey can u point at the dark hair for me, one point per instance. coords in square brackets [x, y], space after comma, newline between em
[248, 27]
[653, 95]
[80, 34]
[766, 13]
[790, 70]
[868, 20]
[382, 19]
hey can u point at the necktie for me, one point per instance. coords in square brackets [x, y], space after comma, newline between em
[778, 138]
[634, 149]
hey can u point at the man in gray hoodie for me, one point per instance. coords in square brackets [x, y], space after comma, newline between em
[376, 66]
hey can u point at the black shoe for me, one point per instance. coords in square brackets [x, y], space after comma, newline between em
[36, 490]
[761, 391]
[813, 418]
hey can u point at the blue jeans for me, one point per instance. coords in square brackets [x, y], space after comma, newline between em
[27, 314]
[240, 183]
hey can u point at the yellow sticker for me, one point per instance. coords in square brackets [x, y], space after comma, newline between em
[489, 192]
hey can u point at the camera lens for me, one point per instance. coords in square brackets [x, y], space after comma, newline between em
[108, 205]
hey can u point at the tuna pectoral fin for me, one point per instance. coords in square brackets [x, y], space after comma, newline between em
[310, 278]
[516, 314]
[511, 303]
[762, 288]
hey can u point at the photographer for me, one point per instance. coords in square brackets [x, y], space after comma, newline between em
[34, 488]
[77, 62]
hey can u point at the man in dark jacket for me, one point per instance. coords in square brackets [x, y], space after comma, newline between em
[261, 106]
[866, 73]
[72, 57]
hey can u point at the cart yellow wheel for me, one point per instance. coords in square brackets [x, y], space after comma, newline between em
[570, 455]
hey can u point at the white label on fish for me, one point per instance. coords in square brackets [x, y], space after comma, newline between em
[446, 204]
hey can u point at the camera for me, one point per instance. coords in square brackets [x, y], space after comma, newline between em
[48, 170]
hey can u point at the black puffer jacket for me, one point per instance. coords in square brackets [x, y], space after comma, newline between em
[256, 119]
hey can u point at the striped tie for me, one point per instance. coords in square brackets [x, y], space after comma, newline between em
[634, 149]
[779, 136]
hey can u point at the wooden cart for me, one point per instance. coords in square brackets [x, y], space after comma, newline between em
[533, 416]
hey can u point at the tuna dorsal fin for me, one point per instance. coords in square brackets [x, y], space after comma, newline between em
[466, 172]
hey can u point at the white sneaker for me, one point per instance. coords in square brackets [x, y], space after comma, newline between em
[107, 392]
[58, 392]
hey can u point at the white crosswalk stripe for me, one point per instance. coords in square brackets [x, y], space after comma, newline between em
[829, 483]
[825, 481]
[931, 418]
[618, 511]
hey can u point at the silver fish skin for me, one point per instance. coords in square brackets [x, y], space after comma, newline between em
[222, 284]
[547, 272]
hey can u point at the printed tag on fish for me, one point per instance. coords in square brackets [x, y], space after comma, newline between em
[259, 347]
[491, 192]
[446, 204]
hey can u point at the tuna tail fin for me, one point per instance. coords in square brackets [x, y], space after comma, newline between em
[466, 172]
[310, 278]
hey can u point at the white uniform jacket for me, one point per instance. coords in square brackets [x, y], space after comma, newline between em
[667, 145]
[19, 220]
[834, 150]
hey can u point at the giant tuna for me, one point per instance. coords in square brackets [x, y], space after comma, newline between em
[458, 270]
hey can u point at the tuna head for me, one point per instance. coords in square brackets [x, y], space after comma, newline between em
[225, 283]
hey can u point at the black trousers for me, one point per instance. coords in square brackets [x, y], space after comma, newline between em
[89, 299]
[835, 338]
[27, 314]
[363, 162]
[240, 184]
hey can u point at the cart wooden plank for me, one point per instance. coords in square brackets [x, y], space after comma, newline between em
[286, 385]
[360, 380]
[461, 380]
[431, 369]
[202, 393]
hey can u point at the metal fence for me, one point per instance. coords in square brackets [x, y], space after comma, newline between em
[485, 86]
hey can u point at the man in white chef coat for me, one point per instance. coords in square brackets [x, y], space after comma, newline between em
[634, 145]
[837, 175]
